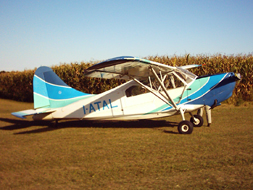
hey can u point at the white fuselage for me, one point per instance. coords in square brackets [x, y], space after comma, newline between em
[115, 105]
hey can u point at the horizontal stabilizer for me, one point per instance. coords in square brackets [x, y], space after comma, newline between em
[24, 113]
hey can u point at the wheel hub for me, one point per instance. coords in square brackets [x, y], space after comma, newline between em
[196, 121]
[185, 128]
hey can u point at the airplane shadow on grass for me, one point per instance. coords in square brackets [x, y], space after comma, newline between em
[16, 124]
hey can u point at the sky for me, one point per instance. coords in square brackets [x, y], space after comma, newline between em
[37, 33]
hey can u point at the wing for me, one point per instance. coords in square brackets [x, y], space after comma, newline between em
[127, 67]
[189, 66]
[144, 72]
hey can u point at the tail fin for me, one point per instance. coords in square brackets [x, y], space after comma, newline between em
[49, 91]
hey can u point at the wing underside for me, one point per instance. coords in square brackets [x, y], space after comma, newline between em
[126, 68]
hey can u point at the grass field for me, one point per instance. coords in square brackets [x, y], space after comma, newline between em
[127, 155]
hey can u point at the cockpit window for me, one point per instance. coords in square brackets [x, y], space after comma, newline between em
[188, 76]
[135, 90]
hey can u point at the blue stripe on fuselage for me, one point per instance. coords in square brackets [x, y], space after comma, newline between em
[212, 82]
[222, 91]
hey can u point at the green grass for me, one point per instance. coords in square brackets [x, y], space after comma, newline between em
[126, 155]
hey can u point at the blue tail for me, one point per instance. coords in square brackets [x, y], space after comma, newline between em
[49, 91]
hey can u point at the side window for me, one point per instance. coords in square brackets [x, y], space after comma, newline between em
[134, 91]
[173, 82]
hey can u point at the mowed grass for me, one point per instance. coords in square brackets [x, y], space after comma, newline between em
[126, 155]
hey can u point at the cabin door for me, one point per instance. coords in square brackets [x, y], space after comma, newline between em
[116, 104]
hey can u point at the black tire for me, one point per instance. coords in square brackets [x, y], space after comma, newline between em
[185, 127]
[198, 122]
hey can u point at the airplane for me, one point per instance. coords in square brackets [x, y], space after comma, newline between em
[152, 90]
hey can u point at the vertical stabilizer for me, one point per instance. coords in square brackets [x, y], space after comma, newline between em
[49, 91]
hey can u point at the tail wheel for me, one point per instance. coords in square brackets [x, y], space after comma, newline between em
[197, 121]
[185, 127]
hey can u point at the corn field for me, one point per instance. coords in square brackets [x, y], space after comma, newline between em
[18, 85]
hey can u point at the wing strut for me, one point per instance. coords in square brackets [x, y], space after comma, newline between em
[164, 89]
[158, 95]
[163, 96]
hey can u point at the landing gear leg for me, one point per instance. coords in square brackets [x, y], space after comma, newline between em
[182, 113]
[208, 114]
[200, 112]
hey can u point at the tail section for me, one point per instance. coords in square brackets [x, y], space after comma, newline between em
[49, 91]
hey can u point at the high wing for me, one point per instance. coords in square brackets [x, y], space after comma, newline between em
[128, 67]
[189, 66]
[153, 76]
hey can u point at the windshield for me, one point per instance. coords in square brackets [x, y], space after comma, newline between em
[187, 75]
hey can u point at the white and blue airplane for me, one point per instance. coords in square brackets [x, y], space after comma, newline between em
[152, 90]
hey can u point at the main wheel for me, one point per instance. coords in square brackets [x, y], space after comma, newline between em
[197, 121]
[185, 127]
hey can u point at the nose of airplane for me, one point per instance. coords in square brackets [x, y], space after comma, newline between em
[223, 89]
[228, 85]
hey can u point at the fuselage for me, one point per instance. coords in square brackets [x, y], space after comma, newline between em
[117, 104]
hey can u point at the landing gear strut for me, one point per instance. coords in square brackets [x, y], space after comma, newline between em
[208, 114]
[186, 127]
